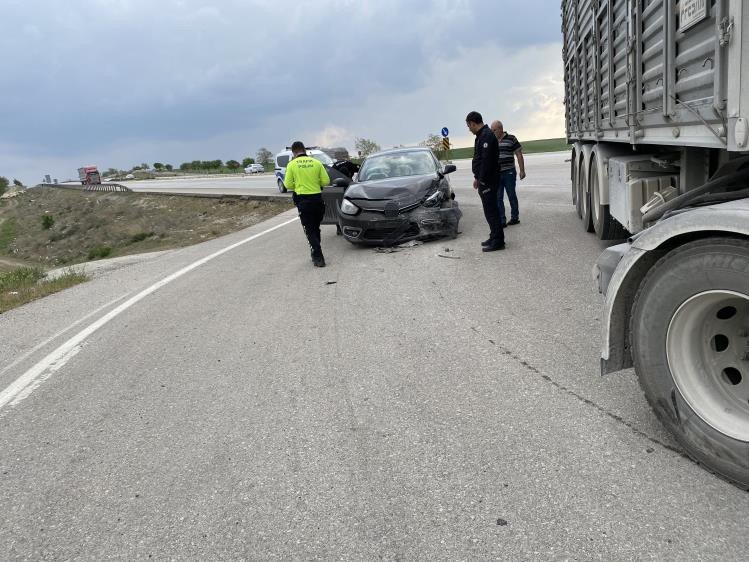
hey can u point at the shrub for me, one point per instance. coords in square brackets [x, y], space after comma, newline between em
[139, 237]
[99, 252]
[47, 221]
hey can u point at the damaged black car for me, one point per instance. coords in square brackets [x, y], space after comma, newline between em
[399, 195]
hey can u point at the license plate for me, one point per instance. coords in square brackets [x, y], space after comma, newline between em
[692, 12]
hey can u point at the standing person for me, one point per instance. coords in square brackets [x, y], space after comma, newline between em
[509, 149]
[306, 177]
[485, 168]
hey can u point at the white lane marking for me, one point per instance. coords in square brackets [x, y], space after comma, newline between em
[58, 334]
[24, 385]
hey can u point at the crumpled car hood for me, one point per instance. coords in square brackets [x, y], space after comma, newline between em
[406, 191]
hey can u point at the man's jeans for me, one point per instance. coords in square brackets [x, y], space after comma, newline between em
[507, 182]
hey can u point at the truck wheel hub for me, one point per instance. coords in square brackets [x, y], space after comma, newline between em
[707, 348]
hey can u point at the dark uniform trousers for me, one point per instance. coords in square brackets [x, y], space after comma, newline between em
[311, 212]
[488, 196]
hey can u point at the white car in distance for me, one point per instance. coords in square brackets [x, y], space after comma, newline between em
[254, 169]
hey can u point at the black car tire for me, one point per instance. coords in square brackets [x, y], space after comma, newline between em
[704, 269]
[281, 186]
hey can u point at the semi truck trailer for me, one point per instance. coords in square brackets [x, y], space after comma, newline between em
[657, 116]
[89, 175]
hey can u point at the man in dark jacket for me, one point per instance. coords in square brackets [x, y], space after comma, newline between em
[486, 178]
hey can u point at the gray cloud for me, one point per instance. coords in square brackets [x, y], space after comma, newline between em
[89, 77]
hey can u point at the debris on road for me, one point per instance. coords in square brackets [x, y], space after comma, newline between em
[398, 248]
[447, 251]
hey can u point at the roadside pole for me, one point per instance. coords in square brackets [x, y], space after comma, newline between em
[446, 143]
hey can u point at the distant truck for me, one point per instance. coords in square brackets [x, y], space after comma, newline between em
[89, 175]
[657, 113]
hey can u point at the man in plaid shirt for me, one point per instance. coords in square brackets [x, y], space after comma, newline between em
[509, 149]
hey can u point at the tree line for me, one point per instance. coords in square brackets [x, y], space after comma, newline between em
[263, 156]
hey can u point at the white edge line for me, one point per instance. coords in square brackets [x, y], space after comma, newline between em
[57, 335]
[24, 385]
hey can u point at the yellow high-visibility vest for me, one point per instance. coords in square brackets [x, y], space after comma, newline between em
[305, 176]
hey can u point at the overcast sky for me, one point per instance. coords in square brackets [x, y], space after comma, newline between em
[120, 82]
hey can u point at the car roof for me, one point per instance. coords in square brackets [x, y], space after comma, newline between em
[401, 150]
[309, 150]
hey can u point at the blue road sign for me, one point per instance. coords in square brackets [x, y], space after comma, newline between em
[445, 132]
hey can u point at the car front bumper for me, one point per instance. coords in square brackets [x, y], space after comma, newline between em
[374, 228]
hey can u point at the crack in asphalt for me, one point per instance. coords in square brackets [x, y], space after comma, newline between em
[583, 399]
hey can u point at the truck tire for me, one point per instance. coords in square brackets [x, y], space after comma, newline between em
[605, 226]
[689, 341]
[573, 177]
[580, 185]
[586, 214]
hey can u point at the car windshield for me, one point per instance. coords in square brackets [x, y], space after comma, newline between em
[396, 165]
[324, 158]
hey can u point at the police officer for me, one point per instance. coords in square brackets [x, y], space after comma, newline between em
[306, 177]
[486, 177]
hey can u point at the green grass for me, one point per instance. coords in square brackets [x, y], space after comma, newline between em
[7, 234]
[529, 147]
[25, 284]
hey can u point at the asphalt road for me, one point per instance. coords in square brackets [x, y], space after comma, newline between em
[395, 406]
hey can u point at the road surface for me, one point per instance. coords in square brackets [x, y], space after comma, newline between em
[230, 401]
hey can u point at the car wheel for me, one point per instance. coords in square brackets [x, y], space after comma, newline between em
[281, 186]
[689, 343]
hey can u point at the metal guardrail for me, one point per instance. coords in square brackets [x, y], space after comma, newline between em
[107, 187]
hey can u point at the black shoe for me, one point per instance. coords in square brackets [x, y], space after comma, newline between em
[487, 242]
[493, 247]
[513, 221]
[318, 261]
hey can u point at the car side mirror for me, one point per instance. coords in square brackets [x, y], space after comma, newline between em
[449, 169]
[340, 182]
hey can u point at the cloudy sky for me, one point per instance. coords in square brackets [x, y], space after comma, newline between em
[120, 82]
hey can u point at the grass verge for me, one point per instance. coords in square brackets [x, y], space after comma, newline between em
[25, 284]
[529, 147]
[50, 227]
[45, 228]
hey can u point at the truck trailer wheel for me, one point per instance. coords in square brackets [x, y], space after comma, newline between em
[605, 226]
[573, 178]
[583, 202]
[585, 214]
[690, 344]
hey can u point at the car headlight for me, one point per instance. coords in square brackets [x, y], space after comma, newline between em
[434, 199]
[348, 208]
